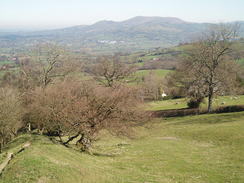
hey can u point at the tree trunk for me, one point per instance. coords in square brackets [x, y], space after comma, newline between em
[2, 144]
[71, 138]
[210, 99]
[84, 142]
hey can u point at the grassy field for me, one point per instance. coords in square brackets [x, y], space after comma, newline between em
[5, 62]
[196, 149]
[241, 61]
[158, 72]
[137, 77]
[182, 103]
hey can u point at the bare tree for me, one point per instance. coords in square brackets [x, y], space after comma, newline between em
[47, 63]
[208, 69]
[152, 86]
[10, 115]
[110, 69]
[81, 110]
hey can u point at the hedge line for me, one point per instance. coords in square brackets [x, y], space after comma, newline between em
[196, 111]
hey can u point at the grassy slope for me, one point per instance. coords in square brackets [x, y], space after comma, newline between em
[147, 56]
[181, 103]
[137, 77]
[197, 149]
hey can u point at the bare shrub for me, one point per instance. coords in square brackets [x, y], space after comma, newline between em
[82, 109]
[10, 115]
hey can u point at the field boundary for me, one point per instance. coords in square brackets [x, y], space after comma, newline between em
[195, 111]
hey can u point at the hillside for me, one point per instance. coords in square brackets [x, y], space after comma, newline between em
[138, 33]
[206, 148]
[169, 58]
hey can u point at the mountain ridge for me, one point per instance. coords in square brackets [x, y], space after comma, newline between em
[137, 33]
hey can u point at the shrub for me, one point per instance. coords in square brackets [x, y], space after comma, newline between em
[175, 112]
[82, 109]
[234, 108]
[194, 103]
[10, 115]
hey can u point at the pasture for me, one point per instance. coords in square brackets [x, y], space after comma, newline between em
[182, 103]
[205, 148]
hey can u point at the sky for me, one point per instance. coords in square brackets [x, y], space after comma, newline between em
[49, 14]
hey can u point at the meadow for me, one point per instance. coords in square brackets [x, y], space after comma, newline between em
[182, 103]
[241, 61]
[5, 62]
[157, 72]
[193, 149]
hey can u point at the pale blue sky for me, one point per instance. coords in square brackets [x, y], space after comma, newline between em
[42, 14]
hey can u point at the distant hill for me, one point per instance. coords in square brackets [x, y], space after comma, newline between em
[138, 33]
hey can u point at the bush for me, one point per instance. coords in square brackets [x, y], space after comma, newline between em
[175, 112]
[234, 108]
[10, 115]
[81, 110]
[194, 103]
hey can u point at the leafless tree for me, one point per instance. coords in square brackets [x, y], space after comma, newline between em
[152, 86]
[208, 69]
[46, 63]
[81, 110]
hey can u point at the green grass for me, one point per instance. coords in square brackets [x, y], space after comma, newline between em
[147, 58]
[194, 149]
[166, 104]
[241, 61]
[158, 72]
[6, 62]
[182, 103]
[137, 77]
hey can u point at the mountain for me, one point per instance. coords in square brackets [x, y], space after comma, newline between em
[137, 33]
